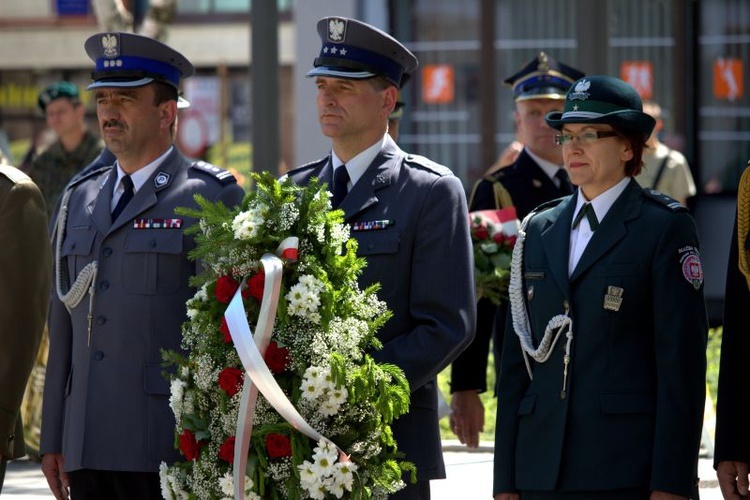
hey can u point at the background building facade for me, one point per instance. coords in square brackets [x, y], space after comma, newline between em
[689, 55]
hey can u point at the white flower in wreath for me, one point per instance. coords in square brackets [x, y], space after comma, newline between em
[226, 485]
[247, 224]
[176, 395]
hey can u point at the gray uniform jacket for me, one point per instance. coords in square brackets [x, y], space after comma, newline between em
[106, 402]
[423, 261]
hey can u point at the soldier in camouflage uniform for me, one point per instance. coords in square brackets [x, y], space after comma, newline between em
[74, 148]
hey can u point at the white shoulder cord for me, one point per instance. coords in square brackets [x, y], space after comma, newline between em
[71, 295]
[520, 315]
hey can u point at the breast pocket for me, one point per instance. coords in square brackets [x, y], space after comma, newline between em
[153, 261]
[76, 249]
[377, 242]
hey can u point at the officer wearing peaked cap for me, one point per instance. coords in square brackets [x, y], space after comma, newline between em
[536, 176]
[408, 206]
[355, 50]
[122, 285]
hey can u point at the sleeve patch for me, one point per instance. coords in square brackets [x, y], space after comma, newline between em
[690, 262]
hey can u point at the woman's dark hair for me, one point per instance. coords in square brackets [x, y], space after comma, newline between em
[637, 142]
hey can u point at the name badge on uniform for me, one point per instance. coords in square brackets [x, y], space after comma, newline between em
[157, 223]
[371, 225]
[613, 299]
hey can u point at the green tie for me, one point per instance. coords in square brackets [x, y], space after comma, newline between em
[588, 211]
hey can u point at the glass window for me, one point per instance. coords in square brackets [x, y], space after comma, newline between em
[223, 6]
[723, 121]
[442, 101]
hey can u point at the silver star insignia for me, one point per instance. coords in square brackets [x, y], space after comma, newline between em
[342, 51]
[575, 107]
[333, 50]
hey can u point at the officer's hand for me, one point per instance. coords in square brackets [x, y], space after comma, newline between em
[663, 495]
[57, 478]
[733, 479]
[467, 417]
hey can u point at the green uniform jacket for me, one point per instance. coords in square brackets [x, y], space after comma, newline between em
[25, 277]
[632, 414]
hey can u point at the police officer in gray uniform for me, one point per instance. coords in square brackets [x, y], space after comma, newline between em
[121, 280]
[408, 215]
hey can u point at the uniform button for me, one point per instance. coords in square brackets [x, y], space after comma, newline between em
[98, 355]
[107, 252]
[104, 285]
[152, 244]
[100, 320]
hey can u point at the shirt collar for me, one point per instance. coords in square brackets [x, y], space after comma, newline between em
[548, 167]
[140, 176]
[358, 165]
[602, 203]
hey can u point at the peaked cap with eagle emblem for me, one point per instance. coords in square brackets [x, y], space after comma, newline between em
[543, 78]
[130, 60]
[355, 50]
[603, 99]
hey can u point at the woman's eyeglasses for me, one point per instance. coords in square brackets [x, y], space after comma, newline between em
[586, 137]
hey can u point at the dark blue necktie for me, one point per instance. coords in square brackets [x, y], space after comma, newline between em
[340, 181]
[126, 196]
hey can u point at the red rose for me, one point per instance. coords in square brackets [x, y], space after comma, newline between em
[226, 450]
[276, 357]
[498, 238]
[511, 240]
[278, 446]
[189, 446]
[230, 379]
[226, 286]
[481, 233]
[224, 329]
[255, 286]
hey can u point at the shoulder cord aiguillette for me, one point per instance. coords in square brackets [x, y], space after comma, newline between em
[85, 281]
[743, 223]
[520, 315]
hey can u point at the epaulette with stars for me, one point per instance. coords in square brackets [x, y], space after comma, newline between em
[428, 164]
[663, 199]
[222, 175]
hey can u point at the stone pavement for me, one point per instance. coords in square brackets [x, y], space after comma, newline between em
[469, 477]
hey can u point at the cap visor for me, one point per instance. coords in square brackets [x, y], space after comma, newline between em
[339, 73]
[119, 83]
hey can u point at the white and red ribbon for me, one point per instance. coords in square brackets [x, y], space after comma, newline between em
[257, 375]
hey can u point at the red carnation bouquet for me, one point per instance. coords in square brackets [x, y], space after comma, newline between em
[493, 235]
